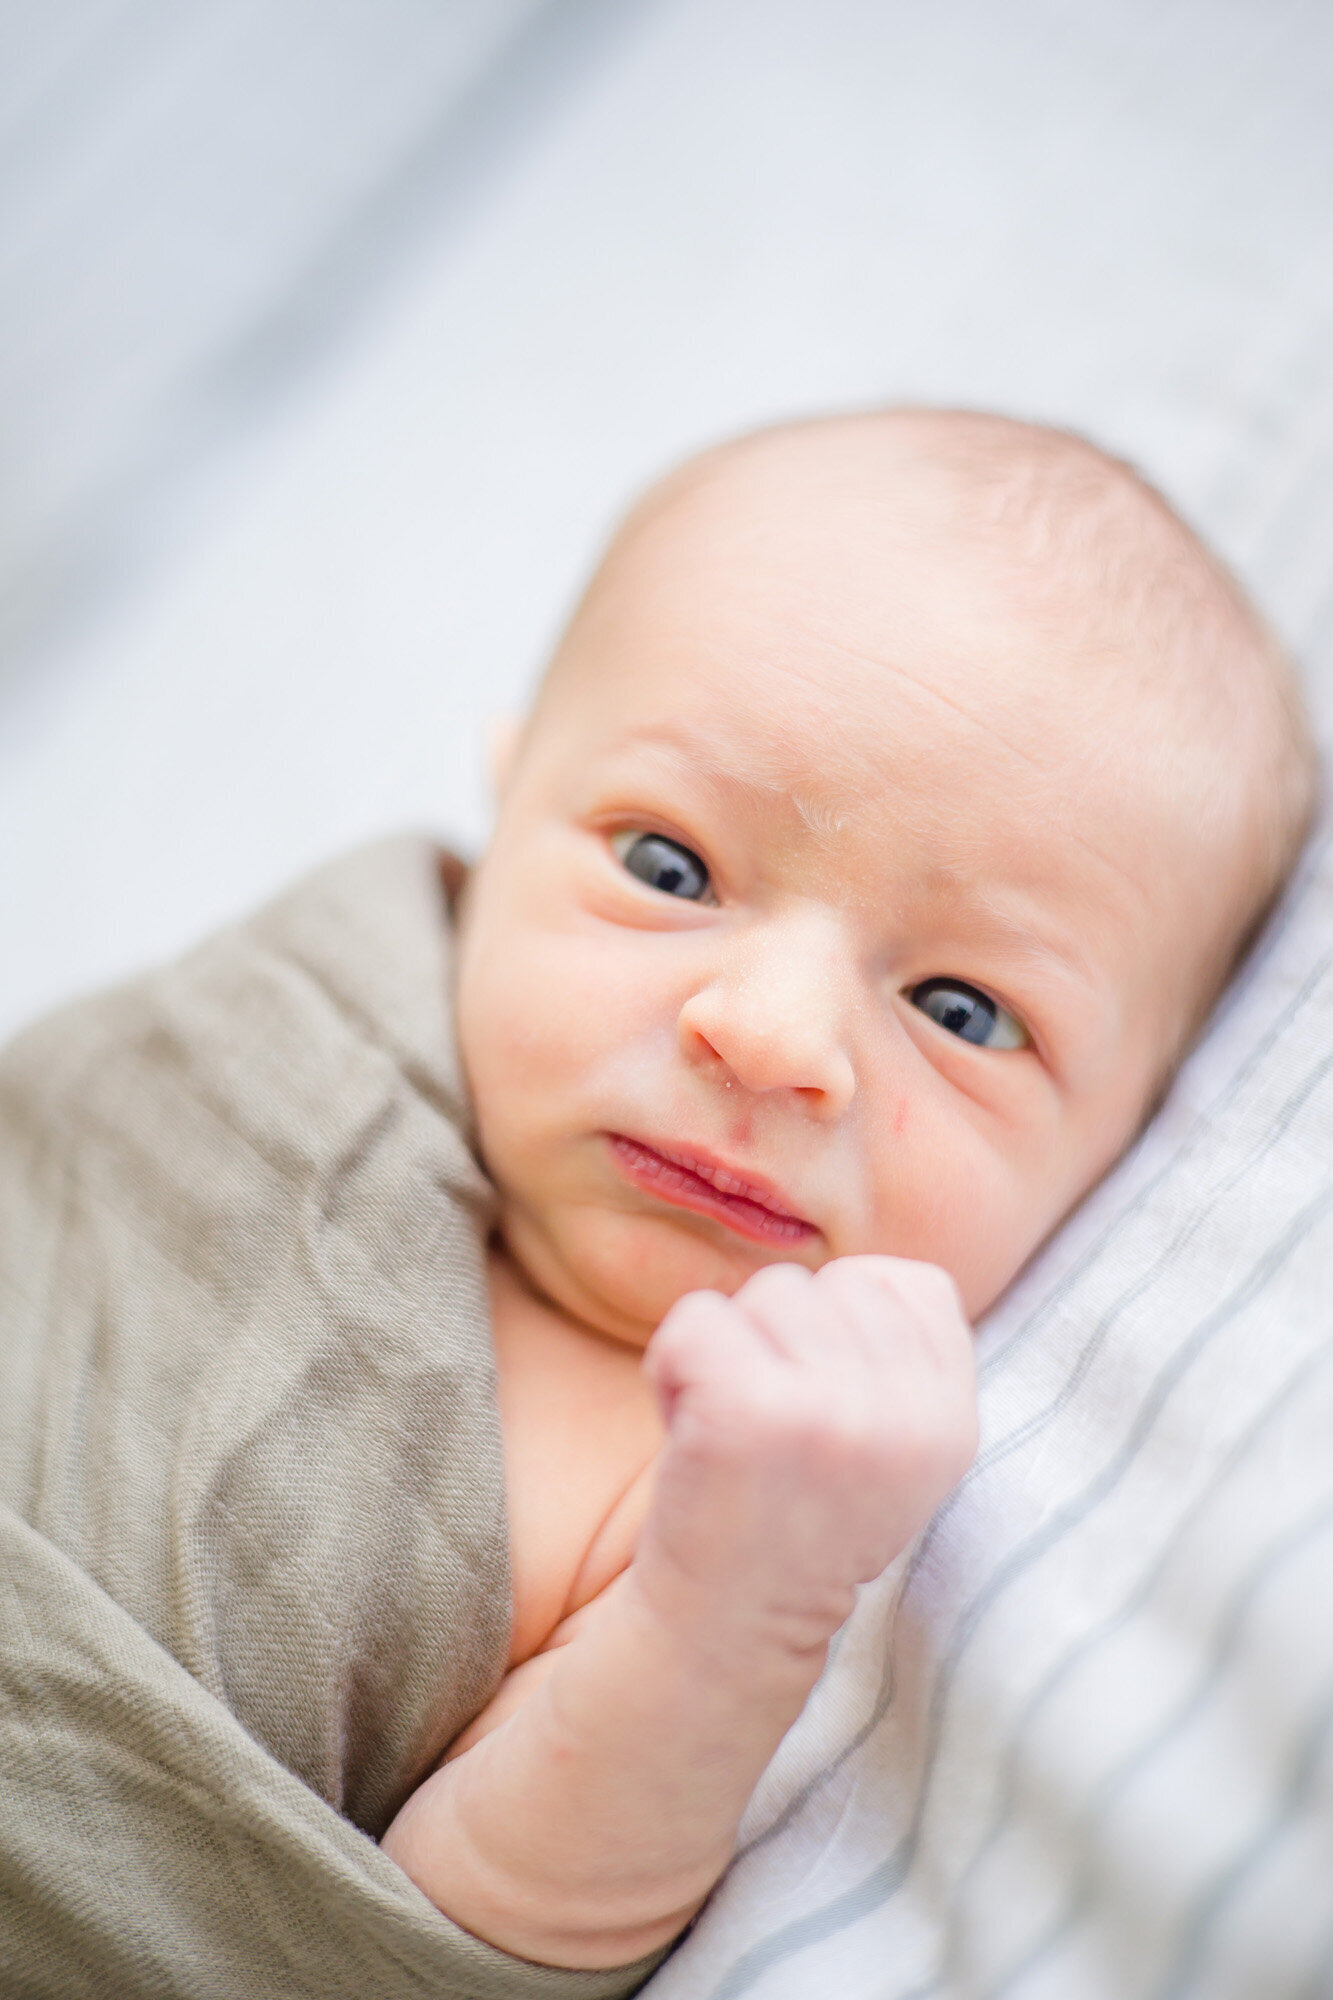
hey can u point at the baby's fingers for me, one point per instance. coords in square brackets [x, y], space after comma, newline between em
[897, 1304]
[696, 1342]
[915, 1347]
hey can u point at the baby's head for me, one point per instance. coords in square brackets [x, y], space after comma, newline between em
[895, 806]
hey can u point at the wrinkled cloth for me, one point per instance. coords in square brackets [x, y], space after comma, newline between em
[254, 1546]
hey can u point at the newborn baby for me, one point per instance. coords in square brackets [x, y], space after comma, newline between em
[896, 805]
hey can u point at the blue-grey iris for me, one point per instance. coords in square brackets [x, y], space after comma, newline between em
[666, 865]
[960, 1009]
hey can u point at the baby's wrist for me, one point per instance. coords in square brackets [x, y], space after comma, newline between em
[589, 1826]
[746, 1633]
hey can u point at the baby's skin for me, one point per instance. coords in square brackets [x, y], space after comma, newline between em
[894, 808]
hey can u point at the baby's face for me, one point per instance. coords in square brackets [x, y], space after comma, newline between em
[825, 914]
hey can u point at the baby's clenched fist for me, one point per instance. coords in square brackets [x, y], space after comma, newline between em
[815, 1422]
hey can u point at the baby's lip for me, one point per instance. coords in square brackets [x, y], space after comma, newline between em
[692, 1178]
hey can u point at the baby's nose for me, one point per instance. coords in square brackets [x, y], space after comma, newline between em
[774, 1019]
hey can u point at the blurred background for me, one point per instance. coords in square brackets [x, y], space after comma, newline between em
[334, 334]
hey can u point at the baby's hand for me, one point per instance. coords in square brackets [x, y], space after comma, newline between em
[815, 1422]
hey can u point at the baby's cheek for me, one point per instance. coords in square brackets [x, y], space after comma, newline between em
[1012, 1219]
[946, 1197]
[534, 1020]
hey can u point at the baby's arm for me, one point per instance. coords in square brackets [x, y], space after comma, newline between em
[814, 1423]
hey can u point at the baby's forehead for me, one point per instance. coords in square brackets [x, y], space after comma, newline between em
[894, 558]
[1015, 573]
[814, 646]
[846, 512]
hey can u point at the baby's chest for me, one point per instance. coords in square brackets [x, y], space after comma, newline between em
[581, 1432]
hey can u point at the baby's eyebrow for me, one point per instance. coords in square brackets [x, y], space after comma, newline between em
[1027, 932]
[688, 755]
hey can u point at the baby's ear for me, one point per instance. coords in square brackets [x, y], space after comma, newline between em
[502, 739]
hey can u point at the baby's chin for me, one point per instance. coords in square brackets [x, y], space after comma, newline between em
[620, 1273]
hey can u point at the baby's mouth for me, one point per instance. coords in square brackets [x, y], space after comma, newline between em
[689, 1180]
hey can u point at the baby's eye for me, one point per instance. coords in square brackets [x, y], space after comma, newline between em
[968, 1013]
[664, 864]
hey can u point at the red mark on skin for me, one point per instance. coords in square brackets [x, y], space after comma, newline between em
[741, 1133]
[898, 1124]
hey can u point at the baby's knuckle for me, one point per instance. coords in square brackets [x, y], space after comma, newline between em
[774, 1284]
[938, 1289]
[913, 1293]
[687, 1316]
[787, 1308]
